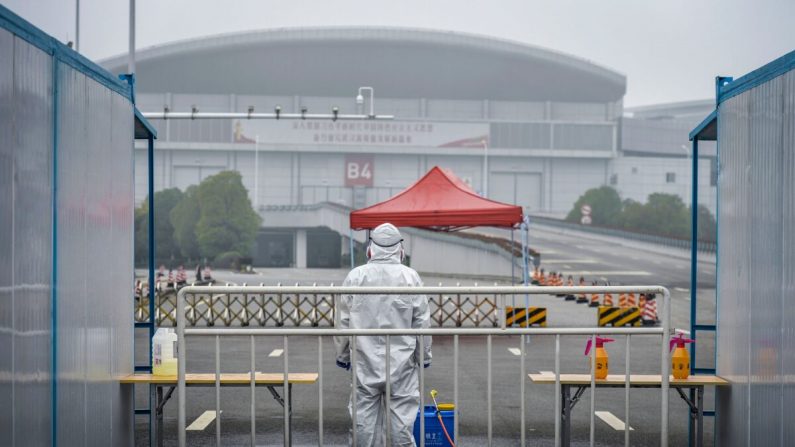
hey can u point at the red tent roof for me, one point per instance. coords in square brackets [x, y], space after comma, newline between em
[438, 201]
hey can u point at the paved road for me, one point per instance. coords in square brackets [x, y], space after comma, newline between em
[572, 253]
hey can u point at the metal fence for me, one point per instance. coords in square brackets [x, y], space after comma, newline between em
[283, 307]
[185, 295]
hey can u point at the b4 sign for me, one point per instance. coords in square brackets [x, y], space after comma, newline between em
[359, 170]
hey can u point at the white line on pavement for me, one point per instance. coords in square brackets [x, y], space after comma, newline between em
[547, 373]
[611, 420]
[680, 289]
[276, 353]
[202, 421]
[515, 351]
[569, 261]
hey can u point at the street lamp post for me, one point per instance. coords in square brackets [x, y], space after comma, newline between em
[360, 99]
[485, 168]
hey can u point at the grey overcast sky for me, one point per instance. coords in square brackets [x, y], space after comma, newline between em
[670, 50]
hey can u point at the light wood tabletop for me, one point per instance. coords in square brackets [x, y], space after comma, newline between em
[634, 380]
[226, 379]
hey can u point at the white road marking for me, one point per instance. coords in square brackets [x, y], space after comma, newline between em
[515, 351]
[680, 289]
[607, 273]
[276, 353]
[566, 266]
[202, 421]
[683, 331]
[611, 420]
[547, 373]
[571, 261]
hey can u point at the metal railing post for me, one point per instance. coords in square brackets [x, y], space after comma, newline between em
[319, 391]
[353, 390]
[593, 390]
[455, 387]
[523, 379]
[421, 361]
[181, 368]
[665, 366]
[287, 391]
[388, 381]
[557, 391]
[626, 394]
[218, 391]
[488, 386]
[253, 373]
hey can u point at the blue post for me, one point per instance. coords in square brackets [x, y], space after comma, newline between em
[694, 255]
[150, 153]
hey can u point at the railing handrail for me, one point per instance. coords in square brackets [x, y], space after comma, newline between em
[266, 331]
[663, 331]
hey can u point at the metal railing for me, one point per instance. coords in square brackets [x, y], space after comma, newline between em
[282, 307]
[285, 333]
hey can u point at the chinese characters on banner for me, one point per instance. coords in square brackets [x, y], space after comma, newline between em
[363, 133]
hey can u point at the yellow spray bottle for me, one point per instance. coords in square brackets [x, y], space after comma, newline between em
[601, 356]
[680, 359]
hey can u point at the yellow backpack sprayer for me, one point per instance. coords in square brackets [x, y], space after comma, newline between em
[680, 359]
[601, 356]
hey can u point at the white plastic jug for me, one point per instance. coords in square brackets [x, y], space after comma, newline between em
[164, 352]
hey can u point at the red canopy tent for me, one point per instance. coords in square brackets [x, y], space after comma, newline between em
[438, 201]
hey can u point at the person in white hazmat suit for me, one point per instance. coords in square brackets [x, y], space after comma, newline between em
[384, 269]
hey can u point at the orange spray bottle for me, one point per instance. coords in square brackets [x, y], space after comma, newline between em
[601, 356]
[680, 359]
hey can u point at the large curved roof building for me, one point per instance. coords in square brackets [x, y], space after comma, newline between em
[403, 62]
[552, 122]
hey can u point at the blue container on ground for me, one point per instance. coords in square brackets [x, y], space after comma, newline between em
[434, 436]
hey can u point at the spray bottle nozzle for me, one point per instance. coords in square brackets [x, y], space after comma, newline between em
[600, 341]
[679, 341]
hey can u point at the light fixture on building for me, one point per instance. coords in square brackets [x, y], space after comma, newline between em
[250, 111]
[335, 111]
[278, 111]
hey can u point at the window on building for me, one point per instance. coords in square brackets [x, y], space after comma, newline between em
[670, 177]
[614, 179]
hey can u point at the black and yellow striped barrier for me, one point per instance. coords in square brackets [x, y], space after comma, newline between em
[532, 316]
[619, 316]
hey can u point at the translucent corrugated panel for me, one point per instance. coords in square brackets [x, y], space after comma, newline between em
[94, 262]
[25, 241]
[517, 111]
[755, 282]
[452, 109]
[6, 237]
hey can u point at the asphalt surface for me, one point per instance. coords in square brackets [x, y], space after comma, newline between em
[570, 253]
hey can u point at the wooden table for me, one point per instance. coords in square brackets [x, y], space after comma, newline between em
[582, 382]
[269, 380]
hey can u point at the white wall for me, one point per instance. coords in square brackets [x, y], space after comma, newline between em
[637, 177]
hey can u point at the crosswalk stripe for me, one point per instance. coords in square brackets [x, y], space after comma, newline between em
[611, 420]
[202, 421]
[276, 353]
[515, 351]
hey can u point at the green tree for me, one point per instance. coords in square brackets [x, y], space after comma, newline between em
[227, 222]
[183, 218]
[707, 227]
[165, 247]
[666, 215]
[605, 206]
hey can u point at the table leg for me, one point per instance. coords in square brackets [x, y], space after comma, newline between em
[565, 437]
[290, 412]
[158, 410]
[153, 429]
[700, 407]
